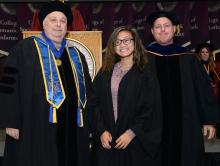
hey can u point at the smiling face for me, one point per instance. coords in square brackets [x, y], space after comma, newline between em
[124, 45]
[163, 31]
[55, 26]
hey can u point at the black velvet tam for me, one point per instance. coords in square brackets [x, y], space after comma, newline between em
[173, 18]
[209, 46]
[55, 6]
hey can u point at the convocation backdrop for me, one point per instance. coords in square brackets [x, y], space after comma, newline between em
[200, 21]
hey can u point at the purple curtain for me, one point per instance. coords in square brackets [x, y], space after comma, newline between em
[199, 20]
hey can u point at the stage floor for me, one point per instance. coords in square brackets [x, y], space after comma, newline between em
[2, 142]
[212, 145]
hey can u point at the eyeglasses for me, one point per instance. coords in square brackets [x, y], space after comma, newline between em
[124, 41]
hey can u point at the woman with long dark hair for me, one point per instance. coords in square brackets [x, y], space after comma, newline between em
[127, 117]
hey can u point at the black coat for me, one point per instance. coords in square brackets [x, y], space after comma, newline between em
[138, 110]
[24, 106]
[187, 103]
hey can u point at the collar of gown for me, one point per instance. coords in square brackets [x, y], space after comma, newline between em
[166, 50]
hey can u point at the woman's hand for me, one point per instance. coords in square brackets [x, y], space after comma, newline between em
[123, 141]
[106, 138]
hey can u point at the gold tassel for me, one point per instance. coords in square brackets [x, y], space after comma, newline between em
[54, 115]
[81, 118]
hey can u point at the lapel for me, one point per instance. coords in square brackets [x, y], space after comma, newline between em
[125, 91]
[109, 99]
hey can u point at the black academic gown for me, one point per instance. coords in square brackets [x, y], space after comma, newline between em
[187, 103]
[24, 106]
[138, 110]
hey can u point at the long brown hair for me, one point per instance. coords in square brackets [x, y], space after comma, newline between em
[211, 57]
[139, 58]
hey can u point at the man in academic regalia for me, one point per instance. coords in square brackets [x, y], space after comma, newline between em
[189, 108]
[44, 91]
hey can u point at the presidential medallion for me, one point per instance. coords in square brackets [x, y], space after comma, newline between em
[58, 62]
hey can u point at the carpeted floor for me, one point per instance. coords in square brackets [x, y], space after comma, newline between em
[2, 142]
[212, 146]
